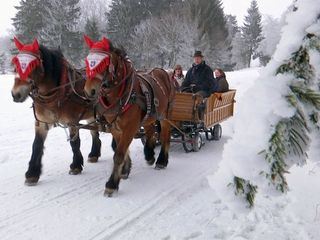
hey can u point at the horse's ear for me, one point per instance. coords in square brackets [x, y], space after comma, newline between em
[35, 44]
[18, 44]
[106, 43]
[88, 41]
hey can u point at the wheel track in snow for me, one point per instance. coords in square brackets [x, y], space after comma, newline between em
[91, 186]
[47, 201]
[166, 199]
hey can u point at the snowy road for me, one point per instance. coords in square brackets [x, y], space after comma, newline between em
[176, 203]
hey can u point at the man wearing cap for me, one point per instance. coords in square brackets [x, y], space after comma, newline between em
[200, 77]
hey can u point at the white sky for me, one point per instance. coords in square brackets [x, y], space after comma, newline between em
[7, 11]
[234, 7]
[267, 7]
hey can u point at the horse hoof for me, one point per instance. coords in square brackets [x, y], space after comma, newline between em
[108, 192]
[75, 171]
[159, 166]
[150, 162]
[93, 159]
[31, 181]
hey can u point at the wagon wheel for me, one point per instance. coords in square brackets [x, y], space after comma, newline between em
[186, 143]
[216, 132]
[193, 142]
[209, 134]
[198, 142]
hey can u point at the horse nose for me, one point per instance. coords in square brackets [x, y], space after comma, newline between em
[16, 97]
[93, 92]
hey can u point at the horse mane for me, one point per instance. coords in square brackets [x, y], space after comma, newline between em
[52, 63]
[120, 51]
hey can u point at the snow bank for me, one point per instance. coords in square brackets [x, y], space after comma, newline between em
[260, 109]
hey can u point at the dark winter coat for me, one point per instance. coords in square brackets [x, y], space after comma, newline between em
[222, 84]
[201, 76]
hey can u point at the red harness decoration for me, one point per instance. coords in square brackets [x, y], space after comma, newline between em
[127, 105]
[27, 59]
[98, 61]
[25, 63]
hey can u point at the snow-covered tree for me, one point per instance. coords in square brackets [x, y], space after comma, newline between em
[94, 9]
[212, 29]
[62, 29]
[92, 29]
[29, 19]
[238, 51]
[167, 40]
[271, 31]
[125, 15]
[3, 60]
[252, 31]
[285, 120]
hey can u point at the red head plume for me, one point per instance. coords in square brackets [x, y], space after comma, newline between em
[88, 41]
[28, 58]
[32, 48]
[18, 44]
[102, 45]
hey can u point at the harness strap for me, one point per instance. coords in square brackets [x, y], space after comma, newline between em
[147, 95]
[72, 81]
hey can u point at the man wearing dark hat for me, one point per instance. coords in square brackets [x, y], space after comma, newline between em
[200, 77]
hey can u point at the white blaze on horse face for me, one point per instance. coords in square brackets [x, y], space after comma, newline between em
[17, 76]
[95, 58]
[24, 60]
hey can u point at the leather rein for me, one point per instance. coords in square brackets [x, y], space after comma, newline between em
[124, 104]
[58, 94]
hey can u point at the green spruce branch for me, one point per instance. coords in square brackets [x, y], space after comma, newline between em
[298, 65]
[245, 188]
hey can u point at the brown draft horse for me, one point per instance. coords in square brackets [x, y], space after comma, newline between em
[55, 87]
[128, 100]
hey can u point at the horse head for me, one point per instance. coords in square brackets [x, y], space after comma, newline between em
[28, 68]
[105, 68]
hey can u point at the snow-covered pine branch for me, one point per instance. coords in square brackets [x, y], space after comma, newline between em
[279, 116]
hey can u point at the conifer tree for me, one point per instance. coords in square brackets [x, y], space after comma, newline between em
[61, 29]
[125, 15]
[92, 29]
[233, 29]
[3, 60]
[29, 19]
[212, 30]
[252, 31]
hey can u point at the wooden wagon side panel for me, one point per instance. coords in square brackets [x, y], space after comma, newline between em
[185, 107]
[219, 107]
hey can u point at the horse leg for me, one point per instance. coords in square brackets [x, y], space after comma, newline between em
[162, 160]
[95, 152]
[114, 144]
[121, 160]
[77, 163]
[33, 173]
[126, 169]
[150, 144]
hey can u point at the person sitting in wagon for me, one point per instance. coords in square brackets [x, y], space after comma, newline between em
[222, 84]
[199, 77]
[177, 76]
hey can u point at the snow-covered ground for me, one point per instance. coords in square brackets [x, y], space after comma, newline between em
[176, 203]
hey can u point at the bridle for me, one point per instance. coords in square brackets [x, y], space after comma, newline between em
[68, 73]
[107, 85]
[112, 70]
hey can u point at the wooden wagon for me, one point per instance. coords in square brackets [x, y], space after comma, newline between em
[191, 115]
